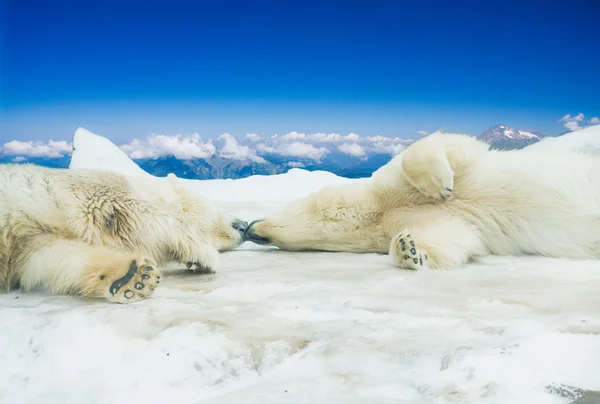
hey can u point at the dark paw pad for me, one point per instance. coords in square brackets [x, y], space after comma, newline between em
[119, 283]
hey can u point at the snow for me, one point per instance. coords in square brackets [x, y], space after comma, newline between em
[283, 327]
[509, 133]
[585, 140]
[525, 134]
[93, 151]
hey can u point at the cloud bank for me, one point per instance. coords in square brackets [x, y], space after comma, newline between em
[51, 149]
[300, 148]
[253, 147]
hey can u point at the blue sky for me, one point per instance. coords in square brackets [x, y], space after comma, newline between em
[127, 69]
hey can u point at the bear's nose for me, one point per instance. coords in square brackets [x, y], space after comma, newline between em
[239, 225]
[255, 238]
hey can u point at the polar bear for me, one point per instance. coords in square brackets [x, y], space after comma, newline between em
[448, 198]
[103, 235]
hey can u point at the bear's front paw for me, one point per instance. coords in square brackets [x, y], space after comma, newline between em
[406, 254]
[438, 186]
[140, 280]
[205, 260]
[432, 177]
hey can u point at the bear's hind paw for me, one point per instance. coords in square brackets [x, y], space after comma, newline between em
[137, 283]
[406, 253]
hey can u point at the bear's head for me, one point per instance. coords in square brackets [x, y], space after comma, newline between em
[210, 224]
[345, 218]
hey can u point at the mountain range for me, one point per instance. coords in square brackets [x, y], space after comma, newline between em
[500, 137]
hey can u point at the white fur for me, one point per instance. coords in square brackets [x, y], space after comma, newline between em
[457, 199]
[58, 225]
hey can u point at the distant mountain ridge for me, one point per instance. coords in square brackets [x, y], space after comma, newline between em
[218, 167]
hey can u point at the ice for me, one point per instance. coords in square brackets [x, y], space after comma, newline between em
[93, 151]
[282, 327]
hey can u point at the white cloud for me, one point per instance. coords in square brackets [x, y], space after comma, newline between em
[298, 149]
[265, 149]
[332, 137]
[572, 125]
[295, 149]
[326, 137]
[253, 137]
[577, 122]
[37, 149]
[295, 164]
[387, 148]
[292, 136]
[232, 150]
[422, 132]
[384, 139]
[320, 137]
[352, 149]
[183, 147]
[19, 159]
[353, 137]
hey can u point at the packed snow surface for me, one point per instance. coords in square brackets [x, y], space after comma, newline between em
[283, 327]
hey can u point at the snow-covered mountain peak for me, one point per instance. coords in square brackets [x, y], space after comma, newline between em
[505, 137]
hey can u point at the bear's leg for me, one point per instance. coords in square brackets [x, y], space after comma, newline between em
[436, 244]
[64, 266]
[431, 164]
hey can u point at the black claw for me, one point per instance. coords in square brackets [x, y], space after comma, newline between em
[415, 260]
[102, 277]
[412, 243]
[189, 265]
[420, 260]
[139, 286]
[413, 251]
[406, 257]
[401, 241]
[128, 294]
[145, 276]
[425, 256]
[449, 189]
